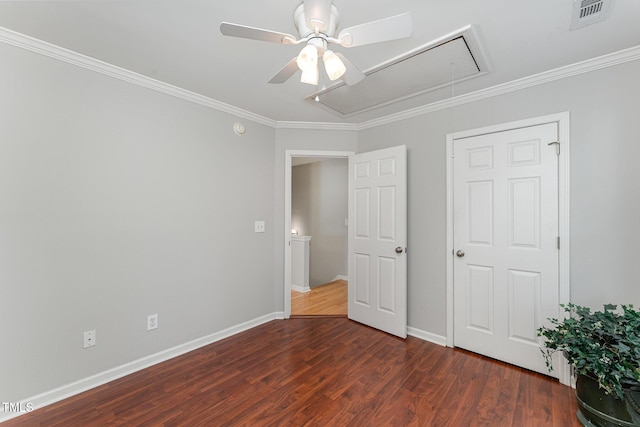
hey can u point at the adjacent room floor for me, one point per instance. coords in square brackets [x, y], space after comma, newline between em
[325, 300]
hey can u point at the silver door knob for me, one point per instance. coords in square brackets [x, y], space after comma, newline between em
[399, 250]
[460, 253]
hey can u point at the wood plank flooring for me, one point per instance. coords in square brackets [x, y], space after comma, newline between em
[329, 299]
[319, 372]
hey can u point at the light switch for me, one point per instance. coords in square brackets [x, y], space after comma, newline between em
[259, 226]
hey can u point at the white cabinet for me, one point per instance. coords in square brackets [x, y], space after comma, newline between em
[300, 263]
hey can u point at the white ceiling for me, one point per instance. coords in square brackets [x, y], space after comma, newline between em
[179, 42]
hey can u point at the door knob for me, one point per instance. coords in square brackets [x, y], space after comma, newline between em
[460, 253]
[399, 250]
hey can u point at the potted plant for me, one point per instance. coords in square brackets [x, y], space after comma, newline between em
[603, 347]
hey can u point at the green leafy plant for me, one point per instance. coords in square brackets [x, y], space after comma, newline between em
[604, 345]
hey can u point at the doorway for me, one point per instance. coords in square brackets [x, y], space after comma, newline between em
[301, 158]
[319, 239]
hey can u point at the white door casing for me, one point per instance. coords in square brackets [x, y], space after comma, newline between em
[288, 157]
[377, 240]
[505, 235]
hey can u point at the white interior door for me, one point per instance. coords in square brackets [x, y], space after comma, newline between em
[505, 226]
[377, 240]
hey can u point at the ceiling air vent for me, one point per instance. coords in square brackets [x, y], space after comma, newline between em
[587, 12]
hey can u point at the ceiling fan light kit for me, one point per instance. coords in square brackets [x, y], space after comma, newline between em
[307, 61]
[317, 23]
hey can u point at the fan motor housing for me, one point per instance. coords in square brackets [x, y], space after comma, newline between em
[328, 29]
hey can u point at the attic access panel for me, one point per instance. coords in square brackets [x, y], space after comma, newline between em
[454, 57]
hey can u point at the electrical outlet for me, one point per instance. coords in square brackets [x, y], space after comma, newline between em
[89, 339]
[152, 322]
[259, 226]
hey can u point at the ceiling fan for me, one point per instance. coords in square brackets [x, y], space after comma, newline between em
[317, 22]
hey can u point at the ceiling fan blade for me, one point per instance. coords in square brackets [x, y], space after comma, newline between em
[285, 74]
[382, 30]
[317, 13]
[353, 75]
[245, 32]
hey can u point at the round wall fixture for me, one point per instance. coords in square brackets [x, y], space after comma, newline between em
[239, 128]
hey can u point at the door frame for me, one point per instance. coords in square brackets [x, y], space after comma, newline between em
[562, 120]
[289, 155]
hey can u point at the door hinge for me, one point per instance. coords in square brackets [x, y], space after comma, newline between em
[558, 242]
[557, 144]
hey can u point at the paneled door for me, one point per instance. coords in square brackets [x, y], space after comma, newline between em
[505, 227]
[377, 240]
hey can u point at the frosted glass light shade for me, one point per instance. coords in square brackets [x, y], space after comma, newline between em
[308, 58]
[333, 65]
[310, 76]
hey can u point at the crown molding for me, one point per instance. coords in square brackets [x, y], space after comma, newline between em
[317, 126]
[604, 61]
[56, 52]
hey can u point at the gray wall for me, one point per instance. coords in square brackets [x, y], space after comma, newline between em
[605, 193]
[319, 207]
[117, 202]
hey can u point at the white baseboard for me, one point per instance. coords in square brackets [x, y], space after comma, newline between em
[302, 289]
[427, 336]
[60, 393]
[340, 277]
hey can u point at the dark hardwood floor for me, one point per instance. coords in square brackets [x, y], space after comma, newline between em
[319, 372]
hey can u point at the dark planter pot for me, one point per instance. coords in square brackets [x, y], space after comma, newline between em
[595, 408]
